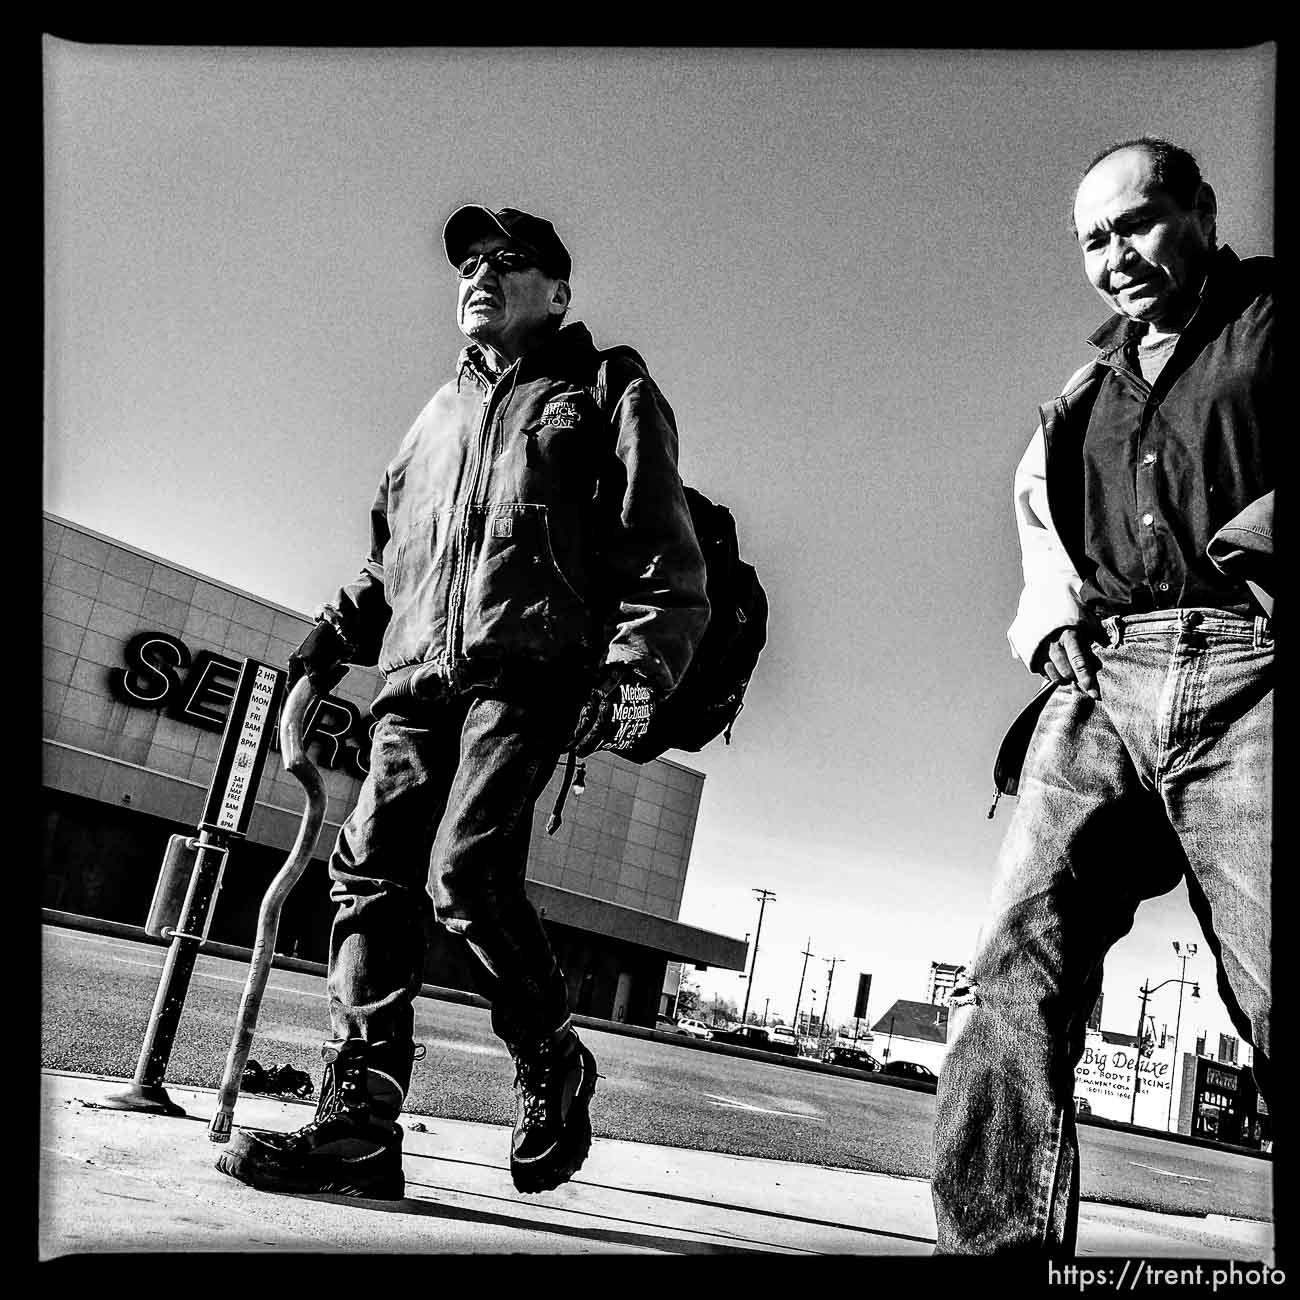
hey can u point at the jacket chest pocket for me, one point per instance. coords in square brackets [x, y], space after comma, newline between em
[560, 439]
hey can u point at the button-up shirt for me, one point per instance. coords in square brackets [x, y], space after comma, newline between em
[1166, 464]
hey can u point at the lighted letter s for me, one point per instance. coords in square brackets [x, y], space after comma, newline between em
[154, 662]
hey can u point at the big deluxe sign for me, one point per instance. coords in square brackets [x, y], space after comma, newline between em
[159, 672]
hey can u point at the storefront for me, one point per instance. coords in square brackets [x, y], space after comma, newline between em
[1221, 1101]
[140, 659]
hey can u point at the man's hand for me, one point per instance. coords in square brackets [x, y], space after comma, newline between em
[616, 715]
[1066, 656]
[322, 657]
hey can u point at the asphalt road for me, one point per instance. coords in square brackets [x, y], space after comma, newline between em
[98, 991]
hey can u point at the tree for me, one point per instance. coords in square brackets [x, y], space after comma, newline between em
[688, 1001]
[722, 1009]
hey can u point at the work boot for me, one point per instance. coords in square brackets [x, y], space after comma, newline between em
[554, 1080]
[353, 1147]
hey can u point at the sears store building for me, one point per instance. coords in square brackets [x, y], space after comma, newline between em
[140, 661]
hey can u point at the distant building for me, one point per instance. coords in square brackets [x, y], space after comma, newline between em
[1230, 1050]
[1094, 1018]
[943, 979]
[1113, 1064]
[1220, 1100]
[912, 1031]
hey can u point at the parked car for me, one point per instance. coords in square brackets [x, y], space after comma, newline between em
[910, 1070]
[694, 1028]
[783, 1034]
[1082, 1106]
[857, 1058]
[751, 1036]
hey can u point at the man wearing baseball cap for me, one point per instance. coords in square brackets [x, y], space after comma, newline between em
[533, 585]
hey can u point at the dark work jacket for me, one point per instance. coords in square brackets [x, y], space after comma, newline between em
[530, 520]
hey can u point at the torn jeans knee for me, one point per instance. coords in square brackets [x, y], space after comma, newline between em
[961, 1001]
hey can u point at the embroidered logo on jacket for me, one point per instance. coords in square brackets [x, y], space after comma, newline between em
[563, 413]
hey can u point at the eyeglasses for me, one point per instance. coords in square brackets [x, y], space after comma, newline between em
[501, 260]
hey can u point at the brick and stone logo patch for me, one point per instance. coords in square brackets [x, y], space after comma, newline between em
[563, 413]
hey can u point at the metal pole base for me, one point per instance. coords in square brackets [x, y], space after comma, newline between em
[146, 1097]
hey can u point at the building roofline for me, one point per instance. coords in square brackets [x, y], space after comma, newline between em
[173, 564]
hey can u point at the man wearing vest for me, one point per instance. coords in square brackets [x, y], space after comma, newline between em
[533, 585]
[1151, 762]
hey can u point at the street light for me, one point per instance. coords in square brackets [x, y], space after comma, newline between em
[1137, 1046]
[1187, 951]
[763, 896]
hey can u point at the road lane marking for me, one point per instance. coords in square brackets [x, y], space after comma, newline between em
[1168, 1173]
[220, 979]
[762, 1110]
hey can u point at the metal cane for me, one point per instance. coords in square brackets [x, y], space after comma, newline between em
[293, 754]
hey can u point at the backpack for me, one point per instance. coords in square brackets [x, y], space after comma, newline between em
[711, 692]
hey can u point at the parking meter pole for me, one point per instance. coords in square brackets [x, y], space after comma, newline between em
[244, 744]
[146, 1092]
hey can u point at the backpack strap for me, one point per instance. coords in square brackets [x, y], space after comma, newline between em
[578, 783]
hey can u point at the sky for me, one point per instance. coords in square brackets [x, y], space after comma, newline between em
[851, 273]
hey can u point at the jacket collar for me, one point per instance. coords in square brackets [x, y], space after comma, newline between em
[1114, 335]
[568, 342]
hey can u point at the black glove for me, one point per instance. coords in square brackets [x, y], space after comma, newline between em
[322, 657]
[616, 715]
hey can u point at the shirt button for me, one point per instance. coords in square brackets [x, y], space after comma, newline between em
[1164, 586]
[1148, 519]
[1149, 458]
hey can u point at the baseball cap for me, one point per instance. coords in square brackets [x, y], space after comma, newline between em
[534, 233]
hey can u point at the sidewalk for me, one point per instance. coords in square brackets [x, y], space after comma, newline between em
[125, 1181]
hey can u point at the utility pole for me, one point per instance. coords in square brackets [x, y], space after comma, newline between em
[831, 962]
[1187, 951]
[807, 952]
[1146, 992]
[763, 896]
[766, 1002]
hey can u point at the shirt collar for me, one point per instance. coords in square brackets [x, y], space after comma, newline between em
[1118, 331]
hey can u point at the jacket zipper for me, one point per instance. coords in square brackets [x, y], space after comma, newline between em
[460, 580]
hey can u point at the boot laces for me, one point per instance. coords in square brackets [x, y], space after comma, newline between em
[535, 1082]
[342, 1096]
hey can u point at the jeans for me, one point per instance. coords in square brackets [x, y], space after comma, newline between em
[1168, 776]
[441, 828]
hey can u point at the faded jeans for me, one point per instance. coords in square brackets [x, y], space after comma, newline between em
[441, 827]
[1168, 776]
